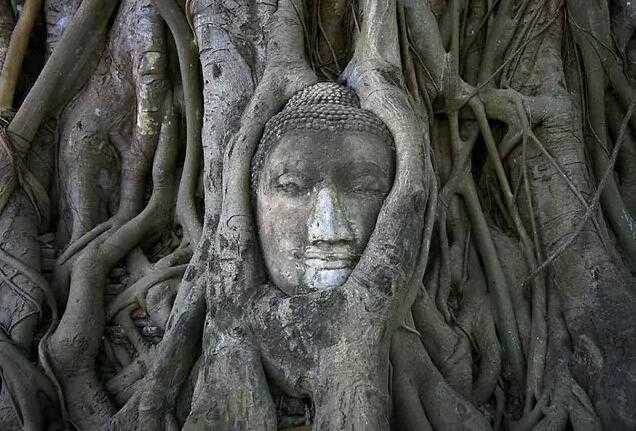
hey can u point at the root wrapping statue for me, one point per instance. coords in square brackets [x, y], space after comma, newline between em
[320, 177]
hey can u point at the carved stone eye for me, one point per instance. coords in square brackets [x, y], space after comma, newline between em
[370, 184]
[291, 184]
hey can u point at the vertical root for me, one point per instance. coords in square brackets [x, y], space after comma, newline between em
[18, 45]
[189, 69]
[504, 309]
[536, 338]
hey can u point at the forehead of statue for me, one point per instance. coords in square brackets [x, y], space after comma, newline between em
[324, 152]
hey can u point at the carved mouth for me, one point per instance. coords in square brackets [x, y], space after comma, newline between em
[327, 267]
[329, 263]
[329, 259]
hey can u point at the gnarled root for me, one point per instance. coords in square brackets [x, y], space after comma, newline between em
[73, 346]
[444, 408]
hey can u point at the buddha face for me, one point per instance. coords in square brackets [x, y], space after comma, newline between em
[317, 199]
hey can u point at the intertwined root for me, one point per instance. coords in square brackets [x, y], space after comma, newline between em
[477, 331]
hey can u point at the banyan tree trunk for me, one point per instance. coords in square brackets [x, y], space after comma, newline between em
[497, 286]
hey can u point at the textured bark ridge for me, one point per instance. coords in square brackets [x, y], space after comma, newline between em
[476, 270]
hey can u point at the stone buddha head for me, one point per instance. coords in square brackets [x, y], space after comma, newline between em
[319, 178]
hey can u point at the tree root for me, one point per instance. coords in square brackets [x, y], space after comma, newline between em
[73, 346]
[592, 205]
[138, 290]
[188, 64]
[15, 54]
[25, 384]
[442, 342]
[82, 35]
[470, 318]
[443, 407]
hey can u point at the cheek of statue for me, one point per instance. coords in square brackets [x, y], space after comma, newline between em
[317, 202]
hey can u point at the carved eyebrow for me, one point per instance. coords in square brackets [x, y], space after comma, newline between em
[287, 165]
[363, 167]
[296, 167]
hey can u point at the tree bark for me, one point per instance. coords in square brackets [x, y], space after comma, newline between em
[496, 290]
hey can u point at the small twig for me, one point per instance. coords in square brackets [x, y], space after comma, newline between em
[559, 169]
[592, 35]
[503, 65]
[537, 351]
[482, 25]
[324, 34]
[84, 240]
[426, 70]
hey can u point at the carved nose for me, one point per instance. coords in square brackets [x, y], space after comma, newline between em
[327, 222]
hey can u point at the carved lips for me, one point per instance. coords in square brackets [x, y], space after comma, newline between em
[328, 268]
